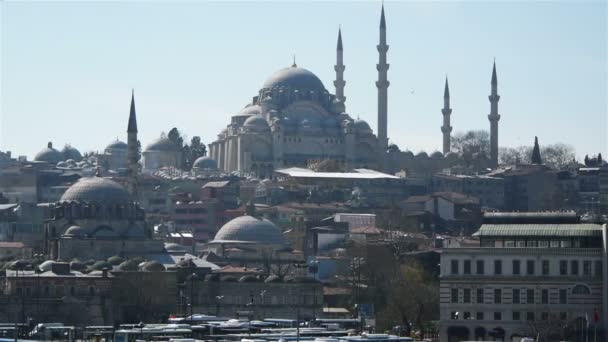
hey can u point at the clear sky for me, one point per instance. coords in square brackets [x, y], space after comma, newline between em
[67, 68]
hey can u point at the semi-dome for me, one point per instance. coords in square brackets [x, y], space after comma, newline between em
[153, 266]
[72, 153]
[117, 145]
[75, 231]
[295, 78]
[162, 144]
[251, 110]
[205, 163]
[250, 229]
[362, 126]
[49, 155]
[97, 189]
[256, 122]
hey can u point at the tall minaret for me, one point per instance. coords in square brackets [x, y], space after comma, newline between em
[132, 150]
[339, 67]
[494, 118]
[446, 129]
[382, 85]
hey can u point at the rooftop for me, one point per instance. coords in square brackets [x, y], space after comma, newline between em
[540, 230]
[297, 172]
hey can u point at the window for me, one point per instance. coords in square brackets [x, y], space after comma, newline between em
[587, 268]
[543, 244]
[565, 243]
[480, 267]
[529, 316]
[497, 296]
[530, 243]
[544, 316]
[466, 269]
[581, 290]
[516, 267]
[563, 316]
[479, 296]
[554, 244]
[563, 296]
[479, 316]
[467, 315]
[545, 267]
[498, 267]
[466, 298]
[454, 266]
[598, 268]
[516, 315]
[574, 267]
[530, 267]
[454, 296]
[529, 296]
[516, 296]
[454, 314]
[498, 316]
[544, 296]
[563, 267]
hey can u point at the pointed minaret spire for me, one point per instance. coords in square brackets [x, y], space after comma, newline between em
[132, 150]
[382, 84]
[446, 129]
[339, 83]
[494, 117]
[132, 127]
[294, 65]
[536, 159]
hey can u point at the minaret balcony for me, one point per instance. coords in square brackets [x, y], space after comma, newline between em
[382, 84]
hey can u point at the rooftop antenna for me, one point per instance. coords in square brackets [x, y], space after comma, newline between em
[294, 65]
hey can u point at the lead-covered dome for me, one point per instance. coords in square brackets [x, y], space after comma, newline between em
[295, 78]
[250, 229]
[49, 155]
[97, 190]
[362, 126]
[117, 145]
[205, 163]
[70, 152]
[162, 144]
[256, 122]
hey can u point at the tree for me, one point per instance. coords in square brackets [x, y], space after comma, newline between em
[175, 136]
[554, 155]
[471, 142]
[536, 158]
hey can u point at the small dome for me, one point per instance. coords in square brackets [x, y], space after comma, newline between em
[251, 110]
[174, 247]
[71, 153]
[162, 144]
[295, 78]
[422, 155]
[451, 155]
[153, 266]
[256, 122]
[129, 265]
[212, 277]
[76, 265]
[97, 189]
[408, 154]
[117, 145]
[115, 260]
[205, 163]
[248, 279]
[362, 126]
[49, 155]
[437, 155]
[100, 265]
[75, 231]
[250, 229]
[46, 266]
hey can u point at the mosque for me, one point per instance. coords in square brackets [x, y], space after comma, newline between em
[294, 121]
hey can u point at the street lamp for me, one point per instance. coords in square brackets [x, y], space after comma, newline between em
[193, 277]
[262, 295]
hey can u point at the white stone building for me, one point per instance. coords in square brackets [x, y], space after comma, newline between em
[534, 274]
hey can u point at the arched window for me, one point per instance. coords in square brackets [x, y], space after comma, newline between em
[581, 290]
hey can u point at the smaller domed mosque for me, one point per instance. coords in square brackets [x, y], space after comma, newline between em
[96, 218]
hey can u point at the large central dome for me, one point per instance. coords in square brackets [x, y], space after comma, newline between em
[295, 78]
[97, 190]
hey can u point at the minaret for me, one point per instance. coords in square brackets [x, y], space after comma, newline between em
[494, 118]
[132, 150]
[446, 129]
[536, 159]
[339, 68]
[382, 85]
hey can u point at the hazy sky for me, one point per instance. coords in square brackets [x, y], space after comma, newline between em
[68, 67]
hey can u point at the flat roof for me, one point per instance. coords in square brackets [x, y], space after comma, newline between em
[297, 172]
[540, 230]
